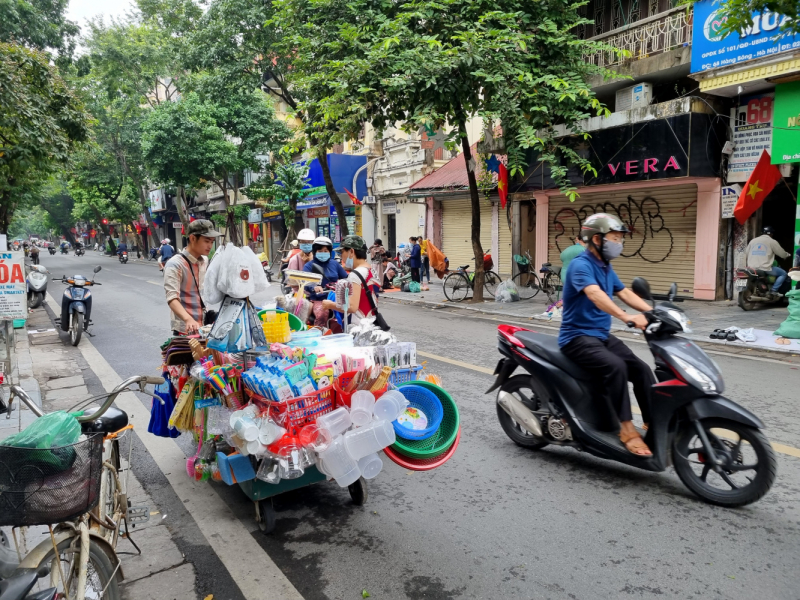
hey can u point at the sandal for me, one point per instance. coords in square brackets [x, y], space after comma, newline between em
[635, 445]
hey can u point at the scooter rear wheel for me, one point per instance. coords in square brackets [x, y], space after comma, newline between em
[744, 300]
[748, 469]
[520, 387]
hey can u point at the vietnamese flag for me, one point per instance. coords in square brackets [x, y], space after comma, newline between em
[760, 183]
[502, 184]
[356, 201]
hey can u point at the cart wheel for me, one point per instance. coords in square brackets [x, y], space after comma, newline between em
[265, 516]
[358, 491]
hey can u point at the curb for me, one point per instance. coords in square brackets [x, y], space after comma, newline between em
[554, 323]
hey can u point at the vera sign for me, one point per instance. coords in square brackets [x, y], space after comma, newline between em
[648, 165]
[13, 293]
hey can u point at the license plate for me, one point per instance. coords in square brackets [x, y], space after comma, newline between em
[741, 284]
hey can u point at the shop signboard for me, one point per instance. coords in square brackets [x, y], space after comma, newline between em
[389, 207]
[272, 215]
[254, 216]
[359, 224]
[158, 200]
[318, 212]
[711, 49]
[13, 293]
[786, 135]
[752, 134]
[312, 201]
[730, 194]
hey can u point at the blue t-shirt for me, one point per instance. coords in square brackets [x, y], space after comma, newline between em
[167, 251]
[580, 316]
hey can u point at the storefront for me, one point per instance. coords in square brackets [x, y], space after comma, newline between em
[651, 176]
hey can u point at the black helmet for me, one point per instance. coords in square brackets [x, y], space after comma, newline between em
[769, 230]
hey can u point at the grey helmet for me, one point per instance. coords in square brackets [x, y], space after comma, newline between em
[601, 223]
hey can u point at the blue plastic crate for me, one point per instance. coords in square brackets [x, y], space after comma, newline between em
[404, 375]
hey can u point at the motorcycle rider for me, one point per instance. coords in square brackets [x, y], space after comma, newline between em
[35, 254]
[305, 241]
[166, 251]
[122, 247]
[585, 335]
[331, 272]
[761, 253]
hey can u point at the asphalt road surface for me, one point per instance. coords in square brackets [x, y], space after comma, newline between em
[497, 521]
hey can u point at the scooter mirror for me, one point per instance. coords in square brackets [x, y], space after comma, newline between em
[642, 288]
[673, 291]
[97, 269]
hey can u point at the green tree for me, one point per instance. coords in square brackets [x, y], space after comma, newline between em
[281, 189]
[29, 222]
[738, 14]
[41, 122]
[433, 64]
[38, 24]
[56, 201]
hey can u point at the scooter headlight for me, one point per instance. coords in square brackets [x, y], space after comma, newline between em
[681, 318]
[696, 376]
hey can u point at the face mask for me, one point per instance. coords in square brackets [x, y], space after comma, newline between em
[611, 250]
[305, 248]
[349, 262]
[323, 256]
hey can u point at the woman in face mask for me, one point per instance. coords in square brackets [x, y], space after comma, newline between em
[306, 244]
[331, 271]
[354, 258]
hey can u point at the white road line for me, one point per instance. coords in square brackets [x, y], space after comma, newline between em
[249, 566]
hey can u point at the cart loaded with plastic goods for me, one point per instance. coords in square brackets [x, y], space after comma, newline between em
[273, 406]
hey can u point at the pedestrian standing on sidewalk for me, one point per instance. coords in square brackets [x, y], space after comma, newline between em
[183, 279]
[361, 301]
[567, 255]
[426, 261]
[414, 259]
[376, 252]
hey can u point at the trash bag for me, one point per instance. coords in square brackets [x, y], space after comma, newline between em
[211, 293]
[507, 292]
[414, 287]
[49, 431]
[257, 275]
[790, 328]
[160, 413]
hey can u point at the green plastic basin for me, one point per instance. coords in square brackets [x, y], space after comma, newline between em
[439, 442]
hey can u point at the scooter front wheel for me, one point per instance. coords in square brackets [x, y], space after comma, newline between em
[748, 464]
[35, 300]
[520, 387]
[76, 328]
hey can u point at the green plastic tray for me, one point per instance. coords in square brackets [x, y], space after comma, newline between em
[295, 324]
[439, 442]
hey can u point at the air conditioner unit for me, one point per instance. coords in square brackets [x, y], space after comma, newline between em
[636, 96]
[369, 199]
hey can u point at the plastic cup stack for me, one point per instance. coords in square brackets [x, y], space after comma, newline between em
[370, 466]
[270, 432]
[339, 464]
[314, 437]
[390, 406]
[361, 405]
[335, 422]
[370, 439]
[244, 425]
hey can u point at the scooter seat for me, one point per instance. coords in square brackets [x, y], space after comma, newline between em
[762, 273]
[546, 346]
[112, 420]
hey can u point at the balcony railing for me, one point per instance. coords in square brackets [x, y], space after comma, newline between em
[654, 35]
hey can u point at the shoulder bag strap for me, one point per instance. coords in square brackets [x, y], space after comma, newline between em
[367, 292]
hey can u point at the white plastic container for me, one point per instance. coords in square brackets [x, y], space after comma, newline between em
[335, 422]
[361, 403]
[370, 466]
[368, 440]
[389, 406]
[246, 428]
[270, 432]
[339, 464]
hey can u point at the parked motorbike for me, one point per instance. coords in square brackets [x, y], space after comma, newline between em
[267, 272]
[123, 257]
[76, 305]
[756, 293]
[36, 284]
[153, 253]
[716, 446]
[17, 585]
[51, 250]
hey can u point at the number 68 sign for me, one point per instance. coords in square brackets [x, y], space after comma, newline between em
[13, 288]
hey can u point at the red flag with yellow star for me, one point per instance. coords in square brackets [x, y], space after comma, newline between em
[502, 184]
[760, 183]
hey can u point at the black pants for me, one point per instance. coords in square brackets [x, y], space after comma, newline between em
[426, 268]
[415, 274]
[614, 365]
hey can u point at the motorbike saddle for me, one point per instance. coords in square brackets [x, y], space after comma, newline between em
[762, 273]
[113, 420]
[546, 346]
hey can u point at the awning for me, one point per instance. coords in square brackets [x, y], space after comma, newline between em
[216, 206]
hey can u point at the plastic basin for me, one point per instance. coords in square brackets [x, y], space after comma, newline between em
[440, 442]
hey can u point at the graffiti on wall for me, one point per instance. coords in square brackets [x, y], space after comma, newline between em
[649, 238]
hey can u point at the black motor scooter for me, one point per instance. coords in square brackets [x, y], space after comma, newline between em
[123, 256]
[51, 250]
[755, 287]
[76, 305]
[716, 446]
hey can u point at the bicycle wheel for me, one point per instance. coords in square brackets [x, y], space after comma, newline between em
[456, 287]
[100, 572]
[552, 286]
[528, 285]
[490, 282]
[109, 498]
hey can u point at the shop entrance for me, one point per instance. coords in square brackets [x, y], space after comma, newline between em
[392, 241]
[779, 211]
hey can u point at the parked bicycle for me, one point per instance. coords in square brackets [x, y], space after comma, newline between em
[458, 284]
[78, 489]
[529, 284]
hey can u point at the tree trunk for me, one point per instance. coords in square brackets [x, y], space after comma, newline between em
[322, 156]
[291, 228]
[477, 249]
[145, 202]
[180, 205]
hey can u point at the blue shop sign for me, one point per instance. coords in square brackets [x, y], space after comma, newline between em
[312, 202]
[711, 50]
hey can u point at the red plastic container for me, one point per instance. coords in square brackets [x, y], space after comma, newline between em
[341, 382]
[422, 464]
[299, 411]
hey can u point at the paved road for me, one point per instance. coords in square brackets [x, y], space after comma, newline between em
[497, 521]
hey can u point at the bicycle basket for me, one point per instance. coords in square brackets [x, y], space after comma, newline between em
[522, 262]
[51, 485]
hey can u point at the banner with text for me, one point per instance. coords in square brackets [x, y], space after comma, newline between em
[13, 292]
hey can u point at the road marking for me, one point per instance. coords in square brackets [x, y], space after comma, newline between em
[781, 448]
[158, 283]
[214, 518]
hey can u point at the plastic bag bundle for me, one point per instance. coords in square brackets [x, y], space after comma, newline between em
[299, 307]
[414, 287]
[49, 431]
[160, 413]
[234, 272]
[211, 293]
[507, 292]
[366, 333]
[790, 328]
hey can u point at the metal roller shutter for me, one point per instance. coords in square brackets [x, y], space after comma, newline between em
[457, 231]
[664, 225]
[504, 243]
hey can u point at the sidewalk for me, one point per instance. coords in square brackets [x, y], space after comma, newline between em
[57, 377]
[705, 316]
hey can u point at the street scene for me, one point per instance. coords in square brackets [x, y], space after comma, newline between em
[338, 299]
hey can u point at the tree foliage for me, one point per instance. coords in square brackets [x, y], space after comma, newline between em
[281, 189]
[738, 14]
[38, 24]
